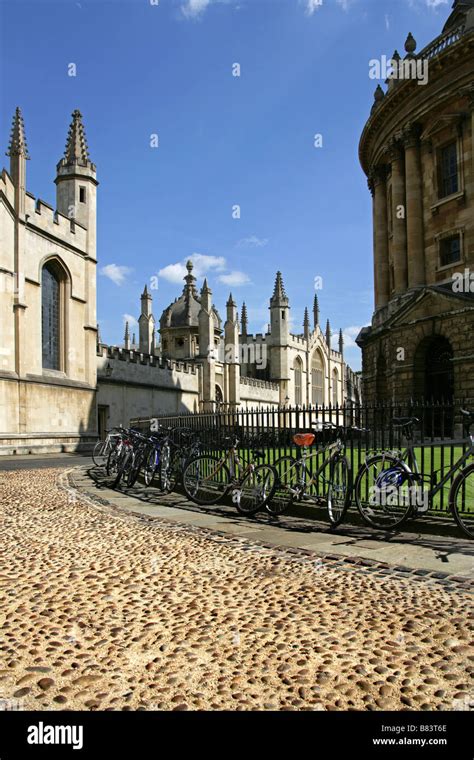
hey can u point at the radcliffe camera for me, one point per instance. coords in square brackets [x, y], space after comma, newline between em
[236, 376]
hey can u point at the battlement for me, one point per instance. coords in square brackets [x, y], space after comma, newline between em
[42, 216]
[130, 356]
[250, 338]
[256, 383]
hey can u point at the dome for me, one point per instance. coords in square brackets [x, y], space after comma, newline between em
[184, 311]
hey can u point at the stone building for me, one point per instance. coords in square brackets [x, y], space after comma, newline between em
[203, 364]
[417, 150]
[60, 386]
[48, 323]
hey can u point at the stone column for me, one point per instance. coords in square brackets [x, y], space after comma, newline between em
[399, 243]
[378, 188]
[414, 207]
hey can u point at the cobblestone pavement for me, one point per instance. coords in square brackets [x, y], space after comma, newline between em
[102, 610]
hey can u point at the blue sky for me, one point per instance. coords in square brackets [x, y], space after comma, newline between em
[167, 69]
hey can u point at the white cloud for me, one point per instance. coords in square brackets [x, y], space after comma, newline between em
[312, 6]
[115, 273]
[349, 335]
[345, 4]
[132, 322]
[194, 8]
[234, 278]
[252, 241]
[387, 21]
[436, 3]
[202, 265]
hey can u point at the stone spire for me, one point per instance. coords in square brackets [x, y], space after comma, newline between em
[18, 152]
[126, 338]
[306, 327]
[17, 145]
[190, 280]
[279, 295]
[328, 334]
[244, 319]
[134, 340]
[146, 323]
[316, 310]
[341, 342]
[76, 151]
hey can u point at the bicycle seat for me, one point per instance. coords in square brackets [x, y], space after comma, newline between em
[259, 454]
[304, 439]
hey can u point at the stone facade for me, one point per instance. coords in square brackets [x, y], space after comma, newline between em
[417, 150]
[53, 406]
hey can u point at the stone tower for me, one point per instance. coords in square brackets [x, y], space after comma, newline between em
[280, 336]
[231, 334]
[146, 324]
[207, 349]
[76, 183]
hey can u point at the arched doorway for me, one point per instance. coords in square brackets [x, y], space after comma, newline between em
[434, 371]
[434, 382]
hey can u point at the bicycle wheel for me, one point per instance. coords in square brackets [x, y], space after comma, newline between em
[255, 490]
[123, 466]
[461, 500]
[206, 480]
[100, 454]
[135, 467]
[167, 479]
[150, 467]
[384, 490]
[113, 460]
[292, 477]
[339, 490]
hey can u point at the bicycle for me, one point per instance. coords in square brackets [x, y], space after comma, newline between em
[102, 449]
[207, 479]
[297, 484]
[387, 487]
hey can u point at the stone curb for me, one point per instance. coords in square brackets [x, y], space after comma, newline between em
[295, 554]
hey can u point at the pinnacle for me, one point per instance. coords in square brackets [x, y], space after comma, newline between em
[76, 146]
[18, 146]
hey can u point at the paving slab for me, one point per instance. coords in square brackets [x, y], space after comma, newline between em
[415, 551]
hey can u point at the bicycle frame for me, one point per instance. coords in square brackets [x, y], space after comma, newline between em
[409, 457]
[332, 449]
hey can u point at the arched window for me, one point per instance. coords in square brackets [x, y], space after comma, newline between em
[335, 389]
[317, 379]
[297, 367]
[219, 398]
[51, 316]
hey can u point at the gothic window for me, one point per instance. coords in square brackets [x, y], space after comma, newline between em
[51, 317]
[82, 195]
[317, 380]
[335, 380]
[448, 170]
[297, 367]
